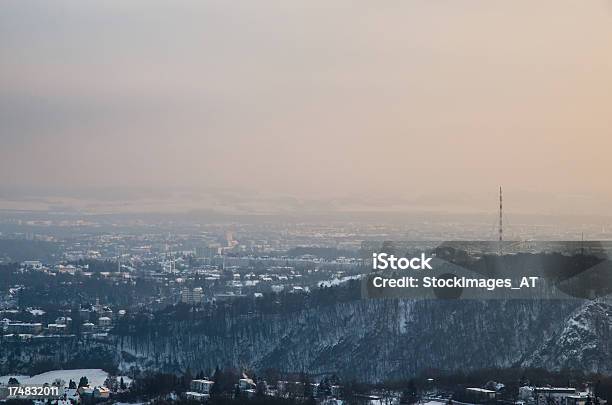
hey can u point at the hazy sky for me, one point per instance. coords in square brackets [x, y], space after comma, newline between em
[415, 99]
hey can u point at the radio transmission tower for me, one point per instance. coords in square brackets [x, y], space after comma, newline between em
[501, 224]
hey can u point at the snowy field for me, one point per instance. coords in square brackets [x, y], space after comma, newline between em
[95, 376]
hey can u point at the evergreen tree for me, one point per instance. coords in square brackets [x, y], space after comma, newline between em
[83, 382]
[187, 378]
[308, 394]
[409, 395]
[215, 390]
[324, 390]
[261, 388]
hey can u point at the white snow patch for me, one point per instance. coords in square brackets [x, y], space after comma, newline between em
[338, 281]
[95, 376]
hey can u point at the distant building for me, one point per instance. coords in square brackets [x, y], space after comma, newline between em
[200, 390]
[105, 322]
[106, 311]
[57, 328]
[554, 395]
[97, 392]
[223, 297]
[196, 396]
[24, 328]
[63, 320]
[332, 401]
[201, 386]
[277, 288]
[479, 395]
[84, 314]
[32, 265]
[70, 269]
[101, 392]
[577, 400]
[245, 384]
[193, 296]
[86, 391]
[88, 327]
[72, 395]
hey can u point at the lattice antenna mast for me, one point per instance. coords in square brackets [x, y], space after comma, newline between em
[501, 223]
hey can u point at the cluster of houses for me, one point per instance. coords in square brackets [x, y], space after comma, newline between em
[123, 275]
[95, 319]
[72, 395]
[200, 389]
[533, 395]
[559, 396]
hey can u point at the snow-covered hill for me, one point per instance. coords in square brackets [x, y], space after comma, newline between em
[366, 339]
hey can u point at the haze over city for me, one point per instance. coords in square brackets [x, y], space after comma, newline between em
[311, 202]
[274, 106]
